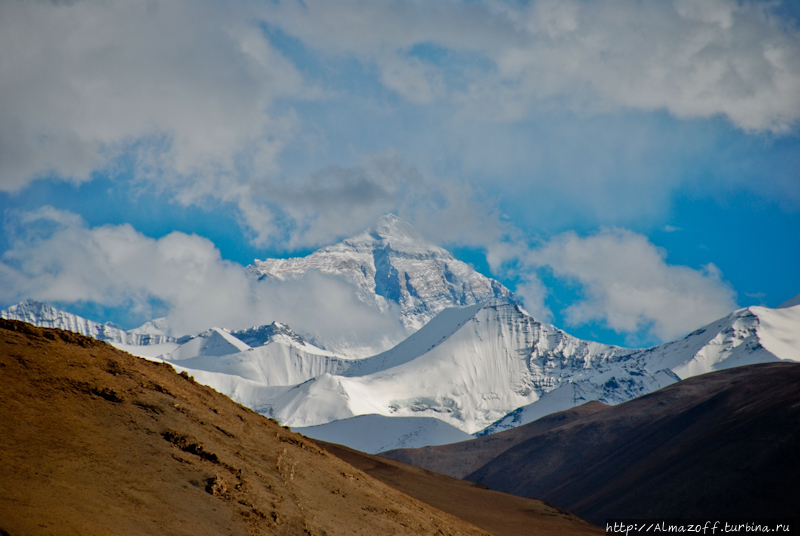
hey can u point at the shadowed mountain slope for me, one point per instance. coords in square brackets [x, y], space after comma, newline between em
[460, 459]
[722, 444]
[499, 513]
[96, 441]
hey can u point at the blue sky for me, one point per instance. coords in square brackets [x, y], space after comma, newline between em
[631, 169]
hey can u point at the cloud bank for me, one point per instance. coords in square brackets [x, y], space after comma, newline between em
[185, 87]
[56, 257]
[201, 100]
[693, 58]
[628, 285]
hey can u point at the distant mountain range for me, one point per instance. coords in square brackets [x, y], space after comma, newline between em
[476, 361]
[43, 315]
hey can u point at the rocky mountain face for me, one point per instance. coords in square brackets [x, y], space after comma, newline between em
[261, 335]
[747, 336]
[392, 263]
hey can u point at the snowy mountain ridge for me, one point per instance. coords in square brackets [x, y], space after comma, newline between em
[491, 366]
[41, 314]
[744, 337]
[391, 262]
[480, 369]
[470, 367]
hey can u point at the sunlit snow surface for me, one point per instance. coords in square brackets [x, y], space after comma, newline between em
[376, 433]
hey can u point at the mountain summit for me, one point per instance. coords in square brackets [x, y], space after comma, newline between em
[391, 263]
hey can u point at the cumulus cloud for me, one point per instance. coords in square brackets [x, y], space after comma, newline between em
[56, 257]
[339, 201]
[694, 58]
[84, 82]
[185, 93]
[627, 283]
[629, 286]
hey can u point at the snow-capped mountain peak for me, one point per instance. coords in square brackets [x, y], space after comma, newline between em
[392, 263]
[391, 231]
[261, 335]
[750, 335]
[214, 342]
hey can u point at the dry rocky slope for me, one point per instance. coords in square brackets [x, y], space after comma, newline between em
[721, 445]
[96, 441]
[500, 513]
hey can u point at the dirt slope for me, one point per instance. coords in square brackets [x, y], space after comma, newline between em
[95, 441]
[499, 513]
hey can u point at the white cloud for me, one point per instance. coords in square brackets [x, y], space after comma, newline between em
[85, 81]
[187, 90]
[63, 260]
[696, 59]
[534, 294]
[411, 78]
[629, 286]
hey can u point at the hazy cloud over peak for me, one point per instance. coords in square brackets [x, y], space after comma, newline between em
[629, 286]
[116, 266]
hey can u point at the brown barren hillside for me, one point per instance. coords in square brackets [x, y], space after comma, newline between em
[96, 441]
[499, 513]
